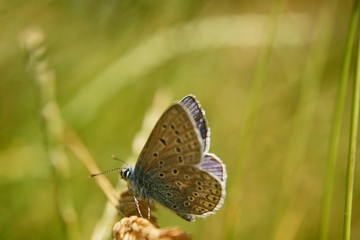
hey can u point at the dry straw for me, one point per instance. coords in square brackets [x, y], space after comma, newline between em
[131, 228]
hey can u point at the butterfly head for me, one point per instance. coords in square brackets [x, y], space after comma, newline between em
[126, 173]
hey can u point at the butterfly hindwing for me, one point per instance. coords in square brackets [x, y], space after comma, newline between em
[187, 190]
[212, 164]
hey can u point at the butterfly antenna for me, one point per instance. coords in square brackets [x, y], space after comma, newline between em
[118, 159]
[101, 173]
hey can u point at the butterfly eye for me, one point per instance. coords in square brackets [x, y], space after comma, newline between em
[125, 173]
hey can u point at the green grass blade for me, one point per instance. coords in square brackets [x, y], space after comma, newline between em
[334, 141]
[352, 145]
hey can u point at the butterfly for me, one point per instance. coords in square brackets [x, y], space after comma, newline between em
[175, 168]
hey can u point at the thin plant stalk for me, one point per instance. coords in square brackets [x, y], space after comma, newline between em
[57, 134]
[77, 147]
[53, 126]
[335, 132]
[352, 145]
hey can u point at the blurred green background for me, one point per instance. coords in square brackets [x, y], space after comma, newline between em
[266, 72]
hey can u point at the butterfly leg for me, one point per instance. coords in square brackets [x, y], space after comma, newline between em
[148, 208]
[137, 206]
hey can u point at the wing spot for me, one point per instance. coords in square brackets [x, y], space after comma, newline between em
[176, 132]
[195, 194]
[175, 171]
[208, 205]
[200, 210]
[216, 185]
[178, 140]
[186, 176]
[180, 159]
[164, 125]
[169, 194]
[178, 183]
[167, 186]
[163, 141]
[191, 198]
[162, 175]
[212, 198]
[199, 188]
[198, 183]
[172, 126]
[155, 154]
[174, 206]
[178, 149]
[187, 203]
[215, 191]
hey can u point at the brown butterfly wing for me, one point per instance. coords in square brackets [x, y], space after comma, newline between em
[127, 206]
[169, 167]
[174, 140]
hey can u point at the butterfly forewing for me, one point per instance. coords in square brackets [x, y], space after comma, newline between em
[174, 140]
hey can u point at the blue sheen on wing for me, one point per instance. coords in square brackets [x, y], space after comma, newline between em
[212, 164]
[198, 115]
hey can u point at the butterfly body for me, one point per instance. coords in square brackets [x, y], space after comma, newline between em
[175, 168]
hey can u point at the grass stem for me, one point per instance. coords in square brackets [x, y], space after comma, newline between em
[335, 132]
[352, 144]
